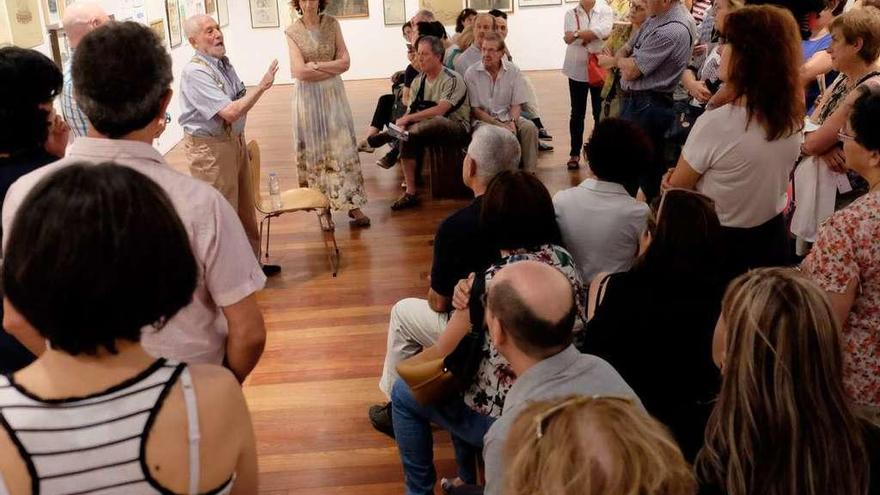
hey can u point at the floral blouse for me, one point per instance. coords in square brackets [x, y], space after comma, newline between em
[848, 248]
[494, 376]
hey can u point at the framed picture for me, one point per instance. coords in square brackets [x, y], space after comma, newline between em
[395, 12]
[572, 1]
[445, 11]
[158, 27]
[223, 13]
[264, 14]
[538, 3]
[348, 8]
[175, 29]
[25, 29]
[486, 5]
[211, 9]
[189, 8]
[53, 11]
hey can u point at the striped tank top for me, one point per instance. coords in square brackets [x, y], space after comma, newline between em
[97, 444]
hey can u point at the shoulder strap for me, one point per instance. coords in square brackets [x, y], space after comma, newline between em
[867, 76]
[193, 433]
[577, 19]
[460, 102]
[198, 60]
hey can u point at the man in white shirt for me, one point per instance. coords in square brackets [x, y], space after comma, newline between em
[497, 92]
[586, 26]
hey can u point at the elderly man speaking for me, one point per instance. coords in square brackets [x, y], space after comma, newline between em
[214, 104]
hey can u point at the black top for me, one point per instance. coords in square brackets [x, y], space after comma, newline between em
[657, 333]
[13, 355]
[409, 75]
[460, 248]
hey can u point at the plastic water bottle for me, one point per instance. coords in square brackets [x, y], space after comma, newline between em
[275, 192]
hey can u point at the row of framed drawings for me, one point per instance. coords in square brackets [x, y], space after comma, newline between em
[446, 11]
[176, 11]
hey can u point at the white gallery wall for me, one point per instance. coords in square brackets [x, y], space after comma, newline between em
[377, 50]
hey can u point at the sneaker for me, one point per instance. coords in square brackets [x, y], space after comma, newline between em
[364, 147]
[405, 201]
[387, 161]
[271, 270]
[380, 418]
[542, 146]
[544, 135]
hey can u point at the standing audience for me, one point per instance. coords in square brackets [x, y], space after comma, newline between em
[818, 66]
[585, 26]
[95, 412]
[741, 154]
[530, 314]
[79, 19]
[593, 445]
[222, 324]
[844, 261]
[782, 423]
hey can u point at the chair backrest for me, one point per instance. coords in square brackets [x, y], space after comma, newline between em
[253, 151]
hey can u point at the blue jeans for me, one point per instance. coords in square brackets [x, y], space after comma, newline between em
[655, 114]
[412, 430]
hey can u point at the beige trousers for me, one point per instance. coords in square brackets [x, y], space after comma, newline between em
[223, 163]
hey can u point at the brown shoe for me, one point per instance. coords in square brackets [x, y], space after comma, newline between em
[573, 164]
[405, 201]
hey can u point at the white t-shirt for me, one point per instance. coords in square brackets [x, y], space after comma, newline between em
[600, 20]
[746, 175]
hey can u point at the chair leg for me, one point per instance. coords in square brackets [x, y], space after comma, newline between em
[268, 233]
[332, 255]
[260, 248]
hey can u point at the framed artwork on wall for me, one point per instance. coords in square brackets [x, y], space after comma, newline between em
[395, 12]
[158, 27]
[264, 14]
[486, 5]
[538, 3]
[175, 29]
[53, 11]
[223, 13]
[445, 11]
[211, 9]
[342, 9]
[25, 29]
[189, 8]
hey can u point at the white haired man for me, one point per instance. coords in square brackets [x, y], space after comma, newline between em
[214, 104]
[460, 248]
[79, 20]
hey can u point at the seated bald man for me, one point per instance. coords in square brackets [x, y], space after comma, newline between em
[530, 315]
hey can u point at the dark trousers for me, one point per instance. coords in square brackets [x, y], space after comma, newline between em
[577, 91]
[654, 113]
[755, 247]
[382, 114]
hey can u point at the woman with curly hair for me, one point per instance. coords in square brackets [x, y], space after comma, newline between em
[741, 154]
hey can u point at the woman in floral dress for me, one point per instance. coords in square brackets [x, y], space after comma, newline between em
[323, 132]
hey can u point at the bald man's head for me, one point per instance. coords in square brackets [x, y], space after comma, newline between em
[534, 302]
[80, 19]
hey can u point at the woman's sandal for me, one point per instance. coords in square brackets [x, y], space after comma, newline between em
[363, 221]
[573, 164]
[405, 201]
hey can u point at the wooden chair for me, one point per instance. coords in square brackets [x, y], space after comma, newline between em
[444, 164]
[293, 200]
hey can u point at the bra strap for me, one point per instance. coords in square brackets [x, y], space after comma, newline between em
[192, 418]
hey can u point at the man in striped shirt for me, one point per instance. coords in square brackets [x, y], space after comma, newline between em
[79, 20]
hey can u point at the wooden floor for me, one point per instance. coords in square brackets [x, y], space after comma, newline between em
[310, 392]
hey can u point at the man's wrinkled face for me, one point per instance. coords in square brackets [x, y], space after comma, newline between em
[210, 39]
[501, 27]
[492, 54]
[484, 24]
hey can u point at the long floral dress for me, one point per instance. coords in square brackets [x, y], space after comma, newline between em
[324, 144]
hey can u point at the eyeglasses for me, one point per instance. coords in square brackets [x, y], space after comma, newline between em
[541, 419]
[842, 135]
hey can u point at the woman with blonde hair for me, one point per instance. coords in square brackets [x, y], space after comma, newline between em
[463, 41]
[782, 424]
[593, 445]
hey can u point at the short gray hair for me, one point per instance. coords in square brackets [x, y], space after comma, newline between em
[436, 45]
[192, 26]
[494, 149]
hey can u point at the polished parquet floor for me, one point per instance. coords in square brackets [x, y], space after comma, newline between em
[326, 336]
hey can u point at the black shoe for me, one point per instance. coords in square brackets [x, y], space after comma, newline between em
[380, 418]
[405, 201]
[542, 146]
[388, 160]
[379, 140]
[544, 135]
[271, 270]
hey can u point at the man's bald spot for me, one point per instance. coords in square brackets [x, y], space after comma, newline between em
[540, 287]
[78, 18]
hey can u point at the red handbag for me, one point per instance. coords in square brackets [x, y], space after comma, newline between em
[595, 74]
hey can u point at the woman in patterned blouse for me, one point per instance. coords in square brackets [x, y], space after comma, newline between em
[845, 261]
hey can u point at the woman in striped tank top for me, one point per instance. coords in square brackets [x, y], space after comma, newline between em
[96, 255]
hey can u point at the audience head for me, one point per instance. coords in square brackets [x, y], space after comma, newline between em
[584, 445]
[724, 7]
[429, 52]
[492, 150]
[617, 151]
[423, 15]
[855, 39]
[407, 31]
[141, 91]
[465, 18]
[297, 6]
[205, 36]
[498, 14]
[638, 12]
[686, 241]
[518, 212]
[530, 310]
[99, 253]
[483, 23]
[80, 18]
[30, 82]
[782, 422]
[500, 22]
[861, 136]
[492, 50]
[758, 37]
[822, 19]
[430, 28]
[465, 38]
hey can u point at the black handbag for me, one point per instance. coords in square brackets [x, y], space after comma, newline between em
[464, 361]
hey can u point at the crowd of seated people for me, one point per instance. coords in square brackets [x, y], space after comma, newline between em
[589, 341]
